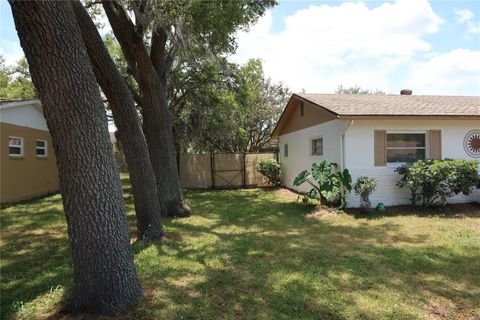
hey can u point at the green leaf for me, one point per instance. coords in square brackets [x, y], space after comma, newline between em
[301, 178]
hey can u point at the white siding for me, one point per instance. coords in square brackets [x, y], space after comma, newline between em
[359, 154]
[299, 157]
[25, 116]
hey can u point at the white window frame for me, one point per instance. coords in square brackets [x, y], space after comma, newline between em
[310, 147]
[399, 164]
[22, 147]
[44, 148]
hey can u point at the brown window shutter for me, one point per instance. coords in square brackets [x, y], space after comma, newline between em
[436, 144]
[380, 148]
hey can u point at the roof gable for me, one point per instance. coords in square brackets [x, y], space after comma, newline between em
[291, 119]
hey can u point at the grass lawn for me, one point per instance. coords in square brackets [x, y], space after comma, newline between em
[254, 254]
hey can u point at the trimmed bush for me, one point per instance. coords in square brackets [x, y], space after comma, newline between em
[364, 187]
[270, 169]
[434, 181]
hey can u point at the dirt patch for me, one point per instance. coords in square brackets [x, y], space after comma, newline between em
[287, 193]
[323, 213]
[443, 308]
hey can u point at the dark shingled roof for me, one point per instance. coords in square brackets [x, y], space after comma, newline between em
[395, 105]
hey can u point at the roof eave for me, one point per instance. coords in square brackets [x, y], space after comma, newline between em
[20, 103]
[409, 116]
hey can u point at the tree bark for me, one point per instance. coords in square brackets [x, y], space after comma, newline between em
[142, 177]
[157, 118]
[105, 281]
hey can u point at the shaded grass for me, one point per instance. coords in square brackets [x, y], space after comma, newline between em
[253, 254]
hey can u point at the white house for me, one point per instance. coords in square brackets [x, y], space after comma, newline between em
[371, 135]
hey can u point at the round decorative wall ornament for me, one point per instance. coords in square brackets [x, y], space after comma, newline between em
[471, 143]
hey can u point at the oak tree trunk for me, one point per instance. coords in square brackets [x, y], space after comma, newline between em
[105, 280]
[157, 118]
[142, 177]
[158, 129]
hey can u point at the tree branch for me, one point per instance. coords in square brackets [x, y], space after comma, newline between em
[124, 30]
[158, 50]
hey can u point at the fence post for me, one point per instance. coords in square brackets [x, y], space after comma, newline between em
[244, 170]
[212, 168]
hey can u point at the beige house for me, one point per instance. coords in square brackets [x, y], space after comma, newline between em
[371, 135]
[27, 162]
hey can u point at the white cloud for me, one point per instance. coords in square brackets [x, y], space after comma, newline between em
[463, 15]
[324, 46]
[11, 51]
[467, 17]
[454, 72]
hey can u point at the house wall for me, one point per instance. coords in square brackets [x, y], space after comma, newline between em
[28, 176]
[299, 153]
[359, 154]
[26, 116]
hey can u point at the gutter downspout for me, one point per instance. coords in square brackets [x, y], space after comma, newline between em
[342, 144]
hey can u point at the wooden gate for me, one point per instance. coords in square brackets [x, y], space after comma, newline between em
[221, 170]
[228, 170]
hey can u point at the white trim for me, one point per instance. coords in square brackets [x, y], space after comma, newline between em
[342, 142]
[45, 147]
[22, 147]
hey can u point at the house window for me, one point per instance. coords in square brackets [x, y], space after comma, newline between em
[405, 147]
[317, 147]
[15, 146]
[285, 150]
[301, 109]
[41, 148]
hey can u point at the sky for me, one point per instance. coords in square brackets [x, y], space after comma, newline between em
[431, 47]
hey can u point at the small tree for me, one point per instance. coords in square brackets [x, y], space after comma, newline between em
[364, 187]
[270, 169]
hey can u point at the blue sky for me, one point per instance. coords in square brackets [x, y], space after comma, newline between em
[432, 47]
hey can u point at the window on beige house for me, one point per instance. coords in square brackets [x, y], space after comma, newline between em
[41, 148]
[15, 146]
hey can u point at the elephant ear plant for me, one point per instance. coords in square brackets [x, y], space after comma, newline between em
[327, 185]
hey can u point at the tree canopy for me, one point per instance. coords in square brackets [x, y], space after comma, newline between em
[356, 90]
[15, 81]
[232, 108]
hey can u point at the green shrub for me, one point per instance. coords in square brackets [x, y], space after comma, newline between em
[270, 169]
[364, 187]
[434, 181]
[328, 185]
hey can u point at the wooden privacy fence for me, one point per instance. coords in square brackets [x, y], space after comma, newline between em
[222, 170]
